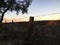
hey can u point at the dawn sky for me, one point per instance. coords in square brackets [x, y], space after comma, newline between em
[38, 7]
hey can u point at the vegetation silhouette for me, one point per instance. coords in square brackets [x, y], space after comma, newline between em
[13, 5]
[44, 33]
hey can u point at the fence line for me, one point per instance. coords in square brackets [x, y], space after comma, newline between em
[27, 18]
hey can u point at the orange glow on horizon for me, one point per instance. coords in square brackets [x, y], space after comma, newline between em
[36, 18]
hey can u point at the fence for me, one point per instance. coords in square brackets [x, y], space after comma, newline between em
[44, 33]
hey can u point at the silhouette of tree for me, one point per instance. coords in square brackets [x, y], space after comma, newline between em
[13, 5]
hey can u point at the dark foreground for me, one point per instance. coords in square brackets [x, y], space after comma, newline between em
[44, 33]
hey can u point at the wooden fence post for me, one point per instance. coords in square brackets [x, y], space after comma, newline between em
[5, 21]
[12, 25]
[31, 25]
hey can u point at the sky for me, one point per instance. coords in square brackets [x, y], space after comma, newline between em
[38, 8]
[45, 7]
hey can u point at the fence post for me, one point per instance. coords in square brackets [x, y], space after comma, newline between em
[12, 25]
[5, 21]
[31, 25]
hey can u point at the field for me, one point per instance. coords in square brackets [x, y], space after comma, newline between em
[44, 33]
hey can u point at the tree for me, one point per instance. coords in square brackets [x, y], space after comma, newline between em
[13, 5]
